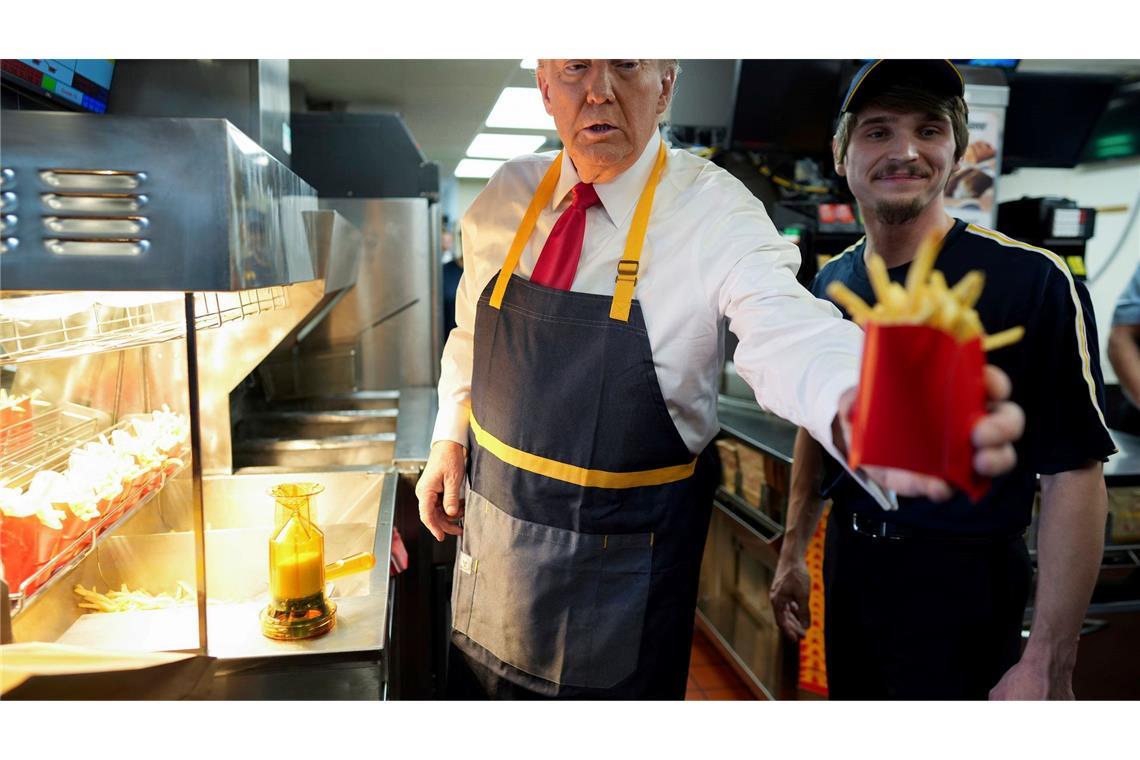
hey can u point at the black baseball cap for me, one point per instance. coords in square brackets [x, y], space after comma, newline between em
[936, 75]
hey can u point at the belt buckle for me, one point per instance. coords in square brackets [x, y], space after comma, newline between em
[878, 533]
[627, 270]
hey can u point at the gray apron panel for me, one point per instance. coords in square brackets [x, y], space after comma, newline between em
[546, 600]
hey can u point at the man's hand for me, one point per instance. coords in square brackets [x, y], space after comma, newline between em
[438, 489]
[1032, 680]
[790, 590]
[993, 438]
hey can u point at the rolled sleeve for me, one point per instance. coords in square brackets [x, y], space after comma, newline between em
[796, 352]
[1127, 310]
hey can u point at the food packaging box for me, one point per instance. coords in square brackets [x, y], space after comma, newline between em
[751, 474]
[729, 465]
[920, 394]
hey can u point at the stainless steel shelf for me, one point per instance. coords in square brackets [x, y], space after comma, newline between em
[87, 323]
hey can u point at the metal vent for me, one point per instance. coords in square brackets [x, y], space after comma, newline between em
[94, 212]
[8, 219]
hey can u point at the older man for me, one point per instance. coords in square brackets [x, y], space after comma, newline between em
[587, 412]
[927, 601]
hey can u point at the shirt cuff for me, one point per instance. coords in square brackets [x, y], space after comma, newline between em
[451, 424]
[1126, 314]
[826, 410]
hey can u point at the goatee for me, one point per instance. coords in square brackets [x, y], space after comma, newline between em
[898, 212]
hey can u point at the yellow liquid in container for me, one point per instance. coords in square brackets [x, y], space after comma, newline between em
[298, 572]
[296, 552]
[298, 608]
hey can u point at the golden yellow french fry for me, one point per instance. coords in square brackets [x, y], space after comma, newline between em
[938, 284]
[922, 306]
[969, 288]
[923, 262]
[947, 314]
[1003, 338]
[897, 300]
[880, 280]
[847, 298]
[969, 325]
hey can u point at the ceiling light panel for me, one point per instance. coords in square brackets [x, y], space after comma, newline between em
[477, 168]
[520, 108]
[491, 145]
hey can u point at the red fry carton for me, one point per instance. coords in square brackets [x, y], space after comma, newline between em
[920, 394]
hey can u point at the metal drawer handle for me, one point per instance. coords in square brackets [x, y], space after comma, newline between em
[107, 204]
[79, 179]
[108, 226]
[96, 247]
[7, 177]
[7, 201]
[8, 223]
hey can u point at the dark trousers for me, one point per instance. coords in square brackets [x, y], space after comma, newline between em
[918, 617]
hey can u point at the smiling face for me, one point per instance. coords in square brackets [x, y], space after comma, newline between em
[605, 110]
[897, 164]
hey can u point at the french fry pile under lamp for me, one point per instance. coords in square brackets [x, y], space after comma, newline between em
[298, 607]
[922, 385]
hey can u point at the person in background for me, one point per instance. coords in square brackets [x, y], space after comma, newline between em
[927, 601]
[584, 414]
[1124, 353]
[452, 271]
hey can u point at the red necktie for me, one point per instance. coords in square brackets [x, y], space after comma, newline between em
[559, 258]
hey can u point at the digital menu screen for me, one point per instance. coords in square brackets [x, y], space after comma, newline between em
[82, 84]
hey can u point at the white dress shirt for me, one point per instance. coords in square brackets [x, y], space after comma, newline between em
[712, 259]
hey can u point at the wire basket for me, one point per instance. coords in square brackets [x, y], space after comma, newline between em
[59, 325]
[28, 446]
[71, 550]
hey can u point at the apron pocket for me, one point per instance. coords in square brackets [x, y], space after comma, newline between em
[566, 607]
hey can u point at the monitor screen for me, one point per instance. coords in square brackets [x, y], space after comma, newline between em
[788, 106]
[1051, 116]
[1117, 132]
[993, 63]
[78, 84]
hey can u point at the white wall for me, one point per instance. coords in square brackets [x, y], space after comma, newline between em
[465, 192]
[1092, 185]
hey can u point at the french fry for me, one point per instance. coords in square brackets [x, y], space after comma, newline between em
[969, 288]
[927, 299]
[923, 263]
[848, 299]
[880, 281]
[1003, 338]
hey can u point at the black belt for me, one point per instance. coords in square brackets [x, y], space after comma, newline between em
[878, 529]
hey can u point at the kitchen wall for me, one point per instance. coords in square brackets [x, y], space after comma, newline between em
[1102, 184]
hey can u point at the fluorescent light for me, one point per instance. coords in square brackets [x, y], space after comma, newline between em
[477, 168]
[520, 108]
[491, 145]
[528, 63]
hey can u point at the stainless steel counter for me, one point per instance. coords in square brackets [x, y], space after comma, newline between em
[751, 424]
[356, 512]
[1123, 467]
[776, 436]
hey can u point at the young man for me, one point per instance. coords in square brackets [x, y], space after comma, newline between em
[927, 601]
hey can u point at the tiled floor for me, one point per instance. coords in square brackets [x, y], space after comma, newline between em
[711, 676]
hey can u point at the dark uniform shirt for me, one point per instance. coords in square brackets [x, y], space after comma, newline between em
[1054, 369]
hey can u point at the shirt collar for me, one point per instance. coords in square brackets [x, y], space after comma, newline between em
[618, 196]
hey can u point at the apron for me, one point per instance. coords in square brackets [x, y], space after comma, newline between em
[576, 574]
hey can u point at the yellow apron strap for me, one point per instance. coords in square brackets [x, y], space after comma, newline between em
[541, 197]
[626, 279]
